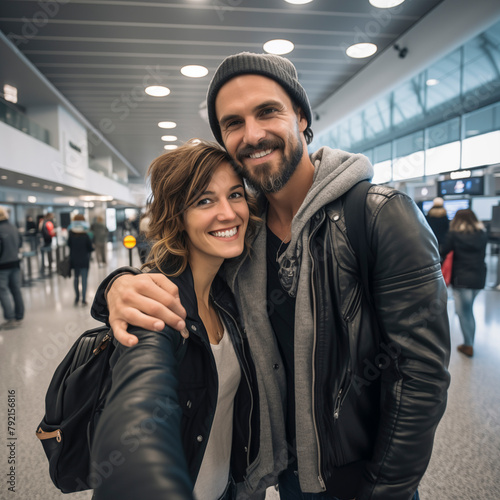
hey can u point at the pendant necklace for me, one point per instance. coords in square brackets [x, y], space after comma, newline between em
[281, 244]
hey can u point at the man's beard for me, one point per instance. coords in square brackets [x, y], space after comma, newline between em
[260, 177]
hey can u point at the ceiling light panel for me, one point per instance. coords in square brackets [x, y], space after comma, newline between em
[361, 50]
[157, 91]
[167, 124]
[386, 4]
[194, 71]
[278, 47]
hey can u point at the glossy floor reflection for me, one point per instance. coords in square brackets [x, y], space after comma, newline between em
[464, 464]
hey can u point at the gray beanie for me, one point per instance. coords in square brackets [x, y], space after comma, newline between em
[275, 67]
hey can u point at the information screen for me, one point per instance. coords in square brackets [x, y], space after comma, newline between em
[473, 186]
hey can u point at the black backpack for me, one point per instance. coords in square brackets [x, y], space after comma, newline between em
[74, 400]
[47, 237]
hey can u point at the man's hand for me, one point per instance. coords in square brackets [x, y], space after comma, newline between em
[148, 301]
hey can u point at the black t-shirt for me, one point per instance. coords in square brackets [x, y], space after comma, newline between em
[281, 310]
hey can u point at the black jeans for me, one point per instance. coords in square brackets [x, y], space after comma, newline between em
[290, 489]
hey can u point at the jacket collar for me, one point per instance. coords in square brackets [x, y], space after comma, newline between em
[219, 292]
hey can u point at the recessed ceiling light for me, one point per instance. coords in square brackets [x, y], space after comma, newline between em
[431, 82]
[20, 181]
[194, 71]
[386, 4]
[71, 203]
[4, 177]
[157, 91]
[35, 184]
[168, 137]
[361, 50]
[299, 2]
[32, 199]
[10, 93]
[170, 146]
[167, 124]
[59, 188]
[278, 47]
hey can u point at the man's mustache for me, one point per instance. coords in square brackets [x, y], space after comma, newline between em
[262, 146]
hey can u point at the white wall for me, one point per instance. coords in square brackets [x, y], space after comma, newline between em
[19, 152]
[73, 145]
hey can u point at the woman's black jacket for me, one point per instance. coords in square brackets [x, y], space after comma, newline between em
[160, 409]
[80, 248]
[469, 250]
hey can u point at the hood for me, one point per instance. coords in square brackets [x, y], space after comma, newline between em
[335, 173]
[78, 226]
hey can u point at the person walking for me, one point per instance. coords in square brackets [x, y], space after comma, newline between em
[467, 239]
[143, 243]
[11, 297]
[100, 239]
[352, 387]
[47, 231]
[80, 248]
[437, 218]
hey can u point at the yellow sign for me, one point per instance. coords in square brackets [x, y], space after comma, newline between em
[129, 241]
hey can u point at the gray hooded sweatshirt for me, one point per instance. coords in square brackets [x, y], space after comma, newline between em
[335, 173]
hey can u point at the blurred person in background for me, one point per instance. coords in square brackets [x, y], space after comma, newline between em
[10, 273]
[30, 225]
[80, 248]
[100, 232]
[467, 240]
[47, 231]
[437, 218]
[143, 245]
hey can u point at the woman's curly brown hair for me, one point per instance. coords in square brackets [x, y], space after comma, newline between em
[178, 178]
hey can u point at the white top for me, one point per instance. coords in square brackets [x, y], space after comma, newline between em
[214, 472]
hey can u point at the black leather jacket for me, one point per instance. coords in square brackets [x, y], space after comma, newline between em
[385, 393]
[160, 409]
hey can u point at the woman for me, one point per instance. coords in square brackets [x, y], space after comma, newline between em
[172, 399]
[80, 248]
[467, 239]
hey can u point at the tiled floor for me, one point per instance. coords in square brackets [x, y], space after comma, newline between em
[464, 464]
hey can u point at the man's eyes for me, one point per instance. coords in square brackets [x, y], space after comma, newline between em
[233, 123]
[268, 111]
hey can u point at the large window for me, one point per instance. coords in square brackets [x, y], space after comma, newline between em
[441, 120]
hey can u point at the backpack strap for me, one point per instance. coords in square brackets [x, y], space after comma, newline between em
[355, 221]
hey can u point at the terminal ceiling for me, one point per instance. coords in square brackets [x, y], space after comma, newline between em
[100, 54]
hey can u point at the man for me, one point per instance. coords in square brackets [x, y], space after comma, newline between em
[100, 239]
[360, 408]
[10, 273]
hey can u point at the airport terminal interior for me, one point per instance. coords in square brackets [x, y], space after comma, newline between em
[91, 91]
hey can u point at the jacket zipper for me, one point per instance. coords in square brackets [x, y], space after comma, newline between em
[320, 477]
[246, 378]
